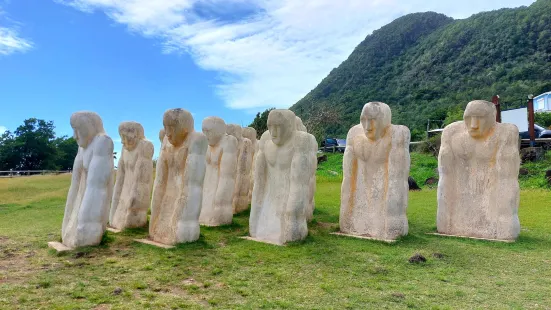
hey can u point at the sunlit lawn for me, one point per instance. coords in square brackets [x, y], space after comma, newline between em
[222, 270]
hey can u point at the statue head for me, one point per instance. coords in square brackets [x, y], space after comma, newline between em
[282, 125]
[131, 133]
[214, 128]
[300, 125]
[86, 125]
[235, 130]
[178, 124]
[162, 134]
[480, 118]
[375, 119]
[249, 133]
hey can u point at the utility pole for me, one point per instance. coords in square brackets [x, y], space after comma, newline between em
[495, 100]
[531, 120]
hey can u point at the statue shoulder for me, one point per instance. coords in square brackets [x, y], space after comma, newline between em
[453, 129]
[353, 132]
[146, 149]
[508, 129]
[304, 141]
[401, 133]
[198, 143]
[230, 143]
[103, 145]
[266, 136]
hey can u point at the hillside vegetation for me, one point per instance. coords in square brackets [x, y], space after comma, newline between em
[426, 64]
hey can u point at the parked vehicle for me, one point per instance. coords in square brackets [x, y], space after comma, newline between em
[540, 131]
[333, 145]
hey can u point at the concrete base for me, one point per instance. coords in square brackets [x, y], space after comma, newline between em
[59, 247]
[157, 244]
[474, 238]
[362, 237]
[261, 241]
[113, 230]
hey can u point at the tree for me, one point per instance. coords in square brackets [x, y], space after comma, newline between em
[260, 122]
[34, 146]
[67, 149]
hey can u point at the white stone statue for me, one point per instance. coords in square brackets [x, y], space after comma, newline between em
[88, 201]
[178, 187]
[478, 190]
[282, 175]
[162, 135]
[250, 133]
[374, 192]
[312, 188]
[220, 175]
[244, 163]
[132, 194]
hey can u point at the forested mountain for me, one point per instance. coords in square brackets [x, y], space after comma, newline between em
[425, 64]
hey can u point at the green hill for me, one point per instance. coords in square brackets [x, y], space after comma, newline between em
[423, 64]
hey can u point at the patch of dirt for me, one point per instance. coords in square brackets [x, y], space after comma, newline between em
[438, 255]
[102, 307]
[327, 225]
[417, 258]
[14, 262]
[398, 295]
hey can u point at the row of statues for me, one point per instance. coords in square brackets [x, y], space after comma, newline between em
[204, 178]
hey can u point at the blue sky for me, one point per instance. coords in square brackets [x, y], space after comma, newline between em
[134, 59]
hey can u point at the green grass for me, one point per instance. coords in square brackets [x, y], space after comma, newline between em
[221, 270]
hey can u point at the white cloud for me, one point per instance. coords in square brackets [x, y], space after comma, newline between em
[10, 41]
[269, 52]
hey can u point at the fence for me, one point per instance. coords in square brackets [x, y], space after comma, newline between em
[22, 173]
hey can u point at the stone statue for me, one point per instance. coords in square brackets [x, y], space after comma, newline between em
[250, 133]
[162, 135]
[478, 163]
[178, 188]
[244, 163]
[220, 175]
[87, 208]
[374, 192]
[132, 193]
[282, 176]
[312, 188]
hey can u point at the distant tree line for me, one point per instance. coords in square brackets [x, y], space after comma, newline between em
[34, 146]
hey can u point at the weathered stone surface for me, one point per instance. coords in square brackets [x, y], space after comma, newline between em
[244, 166]
[178, 187]
[250, 133]
[374, 192]
[59, 247]
[88, 201]
[312, 188]
[478, 190]
[220, 174]
[282, 175]
[132, 193]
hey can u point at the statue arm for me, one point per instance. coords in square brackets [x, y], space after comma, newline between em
[228, 170]
[446, 183]
[300, 179]
[398, 170]
[73, 189]
[194, 177]
[98, 186]
[259, 176]
[118, 187]
[159, 186]
[246, 165]
[508, 164]
[347, 171]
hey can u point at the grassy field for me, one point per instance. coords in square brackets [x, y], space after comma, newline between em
[221, 270]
